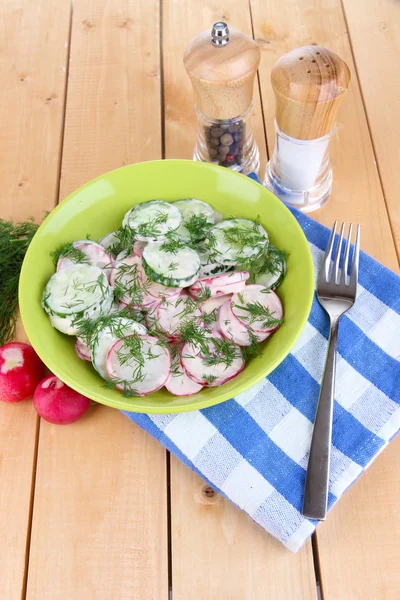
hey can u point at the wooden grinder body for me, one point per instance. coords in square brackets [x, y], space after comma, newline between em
[309, 84]
[222, 76]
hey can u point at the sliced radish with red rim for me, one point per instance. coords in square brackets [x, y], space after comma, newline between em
[197, 363]
[142, 375]
[220, 285]
[94, 253]
[233, 330]
[172, 313]
[257, 308]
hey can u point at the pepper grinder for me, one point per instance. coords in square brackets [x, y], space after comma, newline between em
[222, 65]
[309, 84]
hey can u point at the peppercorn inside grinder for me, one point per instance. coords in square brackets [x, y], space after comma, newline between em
[309, 84]
[222, 66]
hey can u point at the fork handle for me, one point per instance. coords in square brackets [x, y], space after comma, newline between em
[315, 501]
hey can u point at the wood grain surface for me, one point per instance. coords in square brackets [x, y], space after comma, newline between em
[33, 55]
[97, 497]
[357, 197]
[99, 526]
[217, 551]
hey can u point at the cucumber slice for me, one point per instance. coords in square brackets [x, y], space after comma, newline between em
[272, 269]
[109, 241]
[234, 240]
[152, 220]
[272, 280]
[212, 269]
[120, 240]
[192, 228]
[73, 290]
[118, 328]
[173, 269]
[69, 324]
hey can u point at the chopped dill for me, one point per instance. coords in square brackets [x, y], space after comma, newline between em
[173, 244]
[70, 251]
[198, 227]
[204, 294]
[209, 379]
[124, 241]
[255, 311]
[150, 228]
[223, 352]
[253, 350]
[210, 318]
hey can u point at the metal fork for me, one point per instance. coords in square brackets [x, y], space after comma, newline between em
[336, 292]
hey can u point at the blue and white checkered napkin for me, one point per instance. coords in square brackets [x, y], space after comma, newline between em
[254, 448]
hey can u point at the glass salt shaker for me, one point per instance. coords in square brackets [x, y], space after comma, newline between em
[222, 66]
[309, 84]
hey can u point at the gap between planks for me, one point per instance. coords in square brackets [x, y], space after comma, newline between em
[167, 453]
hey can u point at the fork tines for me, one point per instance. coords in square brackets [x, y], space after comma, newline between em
[333, 273]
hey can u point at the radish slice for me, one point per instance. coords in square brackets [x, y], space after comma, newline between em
[129, 281]
[214, 303]
[151, 314]
[220, 285]
[233, 330]
[82, 350]
[173, 312]
[95, 254]
[138, 248]
[195, 364]
[157, 290]
[252, 295]
[179, 384]
[142, 376]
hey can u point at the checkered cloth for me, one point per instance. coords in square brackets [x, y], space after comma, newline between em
[254, 448]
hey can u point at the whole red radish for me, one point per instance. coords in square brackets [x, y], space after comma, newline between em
[57, 403]
[20, 371]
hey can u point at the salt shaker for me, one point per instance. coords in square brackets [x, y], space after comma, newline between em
[222, 64]
[309, 84]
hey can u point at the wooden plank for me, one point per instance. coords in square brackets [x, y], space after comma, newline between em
[377, 24]
[100, 510]
[33, 55]
[217, 551]
[358, 545]
[349, 569]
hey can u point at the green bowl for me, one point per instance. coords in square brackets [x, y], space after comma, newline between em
[98, 207]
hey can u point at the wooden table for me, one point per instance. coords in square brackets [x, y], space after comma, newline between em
[98, 510]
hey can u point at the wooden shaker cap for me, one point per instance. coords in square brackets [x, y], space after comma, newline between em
[222, 76]
[309, 84]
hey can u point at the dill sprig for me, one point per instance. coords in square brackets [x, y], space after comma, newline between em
[150, 228]
[129, 286]
[255, 311]
[173, 244]
[127, 389]
[14, 241]
[210, 318]
[223, 352]
[192, 334]
[214, 351]
[253, 350]
[88, 330]
[70, 251]
[204, 294]
[124, 241]
[209, 379]
[176, 369]
[269, 261]
[198, 227]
